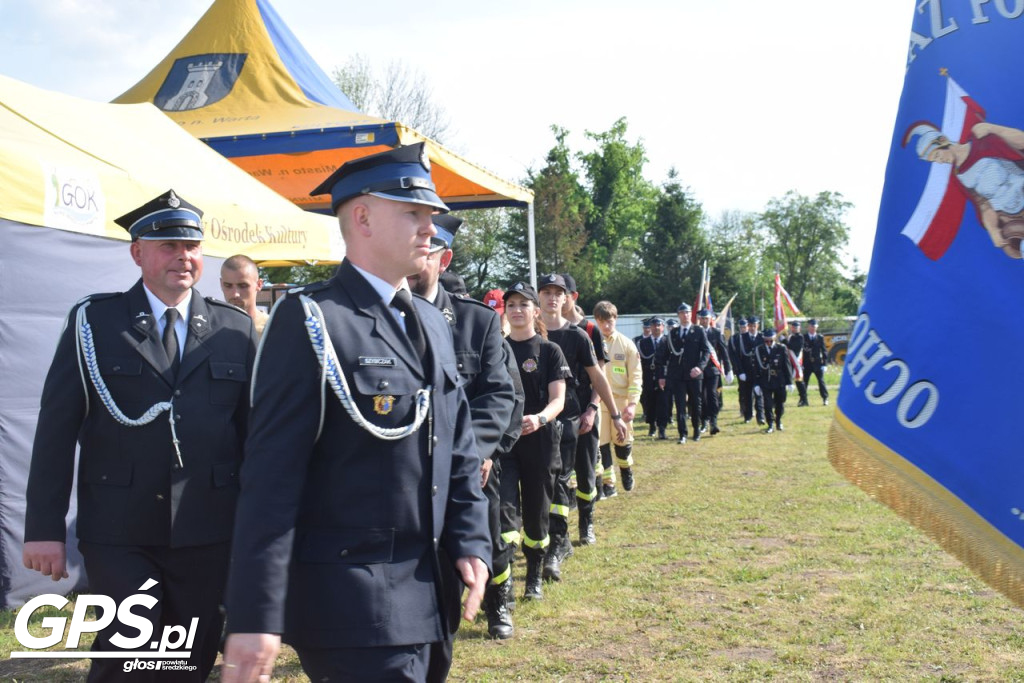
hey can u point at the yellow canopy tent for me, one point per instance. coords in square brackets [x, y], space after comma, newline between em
[76, 165]
[242, 82]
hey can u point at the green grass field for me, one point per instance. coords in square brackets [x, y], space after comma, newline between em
[744, 557]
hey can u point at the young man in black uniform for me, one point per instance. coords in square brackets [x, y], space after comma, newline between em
[485, 365]
[682, 358]
[719, 366]
[736, 356]
[156, 496]
[339, 546]
[815, 359]
[576, 416]
[751, 341]
[774, 378]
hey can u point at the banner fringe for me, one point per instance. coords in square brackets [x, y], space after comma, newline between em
[892, 480]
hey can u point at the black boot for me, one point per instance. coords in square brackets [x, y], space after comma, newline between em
[587, 536]
[534, 590]
[714, 427]
[552, 570]
[499, 620]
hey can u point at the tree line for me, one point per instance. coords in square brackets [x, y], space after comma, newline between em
[624, 238]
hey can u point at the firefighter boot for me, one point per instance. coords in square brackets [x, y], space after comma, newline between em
[499, 619]
[587, 536]
[534, 589]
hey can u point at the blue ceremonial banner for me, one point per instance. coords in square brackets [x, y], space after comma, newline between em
[929, 419]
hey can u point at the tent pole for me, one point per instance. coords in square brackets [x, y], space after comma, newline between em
[532, 239]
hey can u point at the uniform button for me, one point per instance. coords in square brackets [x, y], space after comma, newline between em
[231, 371]
[383, 384]
[159, 496]
[176, 466]
[435, 541]
[435, 440]
[177, 392]
[117, 368]
[433, 491]
[103, 477]
[460, 366]
[343, 553]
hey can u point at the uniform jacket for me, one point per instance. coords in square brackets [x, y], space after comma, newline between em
[130, 489]
[623, 366]
[337, 536]
[647, 346]
[773, 368]
[736, 352]
[748, 343]
[815, 355]
[482, 364]
[677, 354]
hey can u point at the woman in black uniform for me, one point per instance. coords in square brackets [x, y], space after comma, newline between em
[528, 471]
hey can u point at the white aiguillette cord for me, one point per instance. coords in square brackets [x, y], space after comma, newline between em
[332, 374]
[86, 351]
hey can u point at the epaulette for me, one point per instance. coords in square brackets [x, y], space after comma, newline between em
[98, 297]
[310, 288]
[471, 302]
[223, 304]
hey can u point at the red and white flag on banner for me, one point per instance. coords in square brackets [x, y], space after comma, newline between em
[781, 295]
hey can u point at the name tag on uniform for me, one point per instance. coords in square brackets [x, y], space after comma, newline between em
[377, 361]
[616, 370]
[620, 356]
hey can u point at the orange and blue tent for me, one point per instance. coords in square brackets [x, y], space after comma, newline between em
[242, 82]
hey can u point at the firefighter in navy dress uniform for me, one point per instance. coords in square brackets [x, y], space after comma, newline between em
[815, 359]
[774, 378]
[361, 465]
[156, 493]
[681, 361]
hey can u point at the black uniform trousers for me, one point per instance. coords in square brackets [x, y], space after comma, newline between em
[686, 392]
[774, 403]
[648, 393]
[559, 524]
[371, 664]
[119, 571]
[587, 454]
[819, 372]
[754, 403]
[711, 400]
[743, 390]
[527, 486]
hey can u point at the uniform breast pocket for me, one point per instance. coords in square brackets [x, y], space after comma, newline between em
[227, 380]
[120, 373]
[468, 364]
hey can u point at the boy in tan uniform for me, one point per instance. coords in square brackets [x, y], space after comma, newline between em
[626, 378]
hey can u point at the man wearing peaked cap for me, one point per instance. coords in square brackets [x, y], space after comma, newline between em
[737, 357]
[681, 361]
[156, 487]
[774, 372]
[401, 175]
[342, 548]
[754, 402]
[815, 359]
[490, 375]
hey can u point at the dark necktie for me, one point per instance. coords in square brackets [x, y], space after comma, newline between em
[171, 339]
[413, 328]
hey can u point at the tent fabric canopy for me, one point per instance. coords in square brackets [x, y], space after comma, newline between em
[242, 82]
[76, 165]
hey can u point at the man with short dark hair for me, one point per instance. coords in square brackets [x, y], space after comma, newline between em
[361, 466]
[240, 282]
[156, 494]
[682, 358]
[815, 359]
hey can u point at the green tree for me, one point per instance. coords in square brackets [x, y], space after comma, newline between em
[623, 205]
[736, 247]
[481, 255]
[671, 252]
[807, 238]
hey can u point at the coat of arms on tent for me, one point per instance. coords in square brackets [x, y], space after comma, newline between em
[199, 80]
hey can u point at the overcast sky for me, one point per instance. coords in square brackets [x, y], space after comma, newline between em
[747, 99]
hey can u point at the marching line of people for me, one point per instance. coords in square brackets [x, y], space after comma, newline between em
[352, 474]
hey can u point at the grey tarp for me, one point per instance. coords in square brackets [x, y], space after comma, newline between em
[43, 272]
